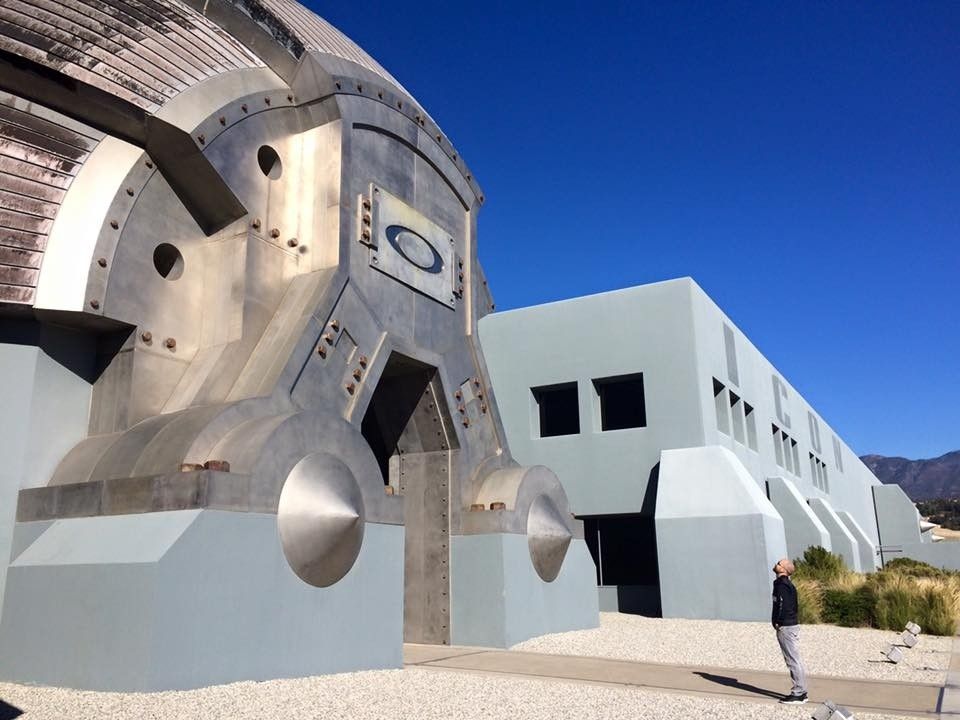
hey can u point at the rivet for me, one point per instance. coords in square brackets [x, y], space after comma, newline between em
[244, 107]
[335, 324]
[130, 191]
[217, 465]
[460, 262]
[498, 506]
[266, 100]
[363, 361]
[460, 276]
[223, 120]
[149, 164]
[275, 233]
[366, 204]
[359, 87]
[102, 262]
[375, 260]
[337, 84]
[114, 224]
[476, 382]
[366, 219]
[454, 157]
[255, 224]
[293, 242]
[146, 336]
[380, 94]
[289, 98]
[202, 139]
[492, 306]
[357, 374]
[438, 137]
[351, 388]
[483, 408]
[466, 422]
[469, 177]
[95, 304]
[460, 289]
[328, 337]
[170, 343]
[190, 467]
[458, 395]
[321, 351]
[399, 104]
[365, 235]
[462, 409]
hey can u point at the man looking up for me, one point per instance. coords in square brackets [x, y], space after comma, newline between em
[784, 619]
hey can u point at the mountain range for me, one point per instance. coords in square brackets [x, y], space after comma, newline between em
[920, 479]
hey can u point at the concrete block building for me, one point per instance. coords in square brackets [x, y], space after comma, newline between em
[693, 462]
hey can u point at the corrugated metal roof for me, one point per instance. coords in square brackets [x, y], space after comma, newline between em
[40, 154]
[143, 51]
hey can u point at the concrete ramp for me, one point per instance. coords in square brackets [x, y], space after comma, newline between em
[802, 527]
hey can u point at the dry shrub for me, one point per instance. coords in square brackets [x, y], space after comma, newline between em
[810, 599]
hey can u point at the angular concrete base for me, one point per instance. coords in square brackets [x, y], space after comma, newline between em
[802, 527]
[178, 600]
[499, 600]
[717, 537]
[844, 543]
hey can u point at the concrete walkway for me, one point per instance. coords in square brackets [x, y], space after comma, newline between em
[892, 698]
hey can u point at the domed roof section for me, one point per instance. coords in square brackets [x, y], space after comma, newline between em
[317, 34]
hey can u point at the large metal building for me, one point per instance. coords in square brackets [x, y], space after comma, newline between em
[247, 428]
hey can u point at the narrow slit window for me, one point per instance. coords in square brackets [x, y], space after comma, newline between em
[777, 445]
[558, 409]
[720, 402]
[796, 456]
[736, 412]
[621, 402]
[751, 420]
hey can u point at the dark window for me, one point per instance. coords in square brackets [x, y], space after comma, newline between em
[621, 402]
[558, 409]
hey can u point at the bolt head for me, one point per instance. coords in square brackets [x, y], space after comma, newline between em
[102, 262]
[170, 343]
[146, 336]
[95, 304]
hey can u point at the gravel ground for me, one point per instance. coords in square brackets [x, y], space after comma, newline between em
[428, 693]
[826, 649]
[411, 693]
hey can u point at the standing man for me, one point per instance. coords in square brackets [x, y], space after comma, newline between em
[784, 619]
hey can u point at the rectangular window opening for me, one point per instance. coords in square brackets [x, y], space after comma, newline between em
[736, 411]
[720, 403]
[622, 403]
[751, 426]
[778, 445]
[796, 457]
[558, 409]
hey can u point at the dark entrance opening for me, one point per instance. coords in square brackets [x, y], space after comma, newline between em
[409, 429]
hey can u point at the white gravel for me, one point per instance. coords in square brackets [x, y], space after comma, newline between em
[424, 694]
[411, 693]
[826, 649]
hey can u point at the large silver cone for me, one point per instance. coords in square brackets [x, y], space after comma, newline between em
[321, 518]
[548, 537]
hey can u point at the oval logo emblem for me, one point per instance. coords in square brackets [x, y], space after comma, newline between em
[414, 248]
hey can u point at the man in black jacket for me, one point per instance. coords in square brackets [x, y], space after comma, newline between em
[784, 619]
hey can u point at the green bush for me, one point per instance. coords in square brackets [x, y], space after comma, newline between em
[898, 602]
[819, 564]
[914, 568]
[850, 608]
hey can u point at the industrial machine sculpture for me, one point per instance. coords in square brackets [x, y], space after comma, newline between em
[256, 256]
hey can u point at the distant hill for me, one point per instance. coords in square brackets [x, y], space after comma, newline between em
[920, 479]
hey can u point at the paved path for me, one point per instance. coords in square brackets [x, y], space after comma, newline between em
[893, 698]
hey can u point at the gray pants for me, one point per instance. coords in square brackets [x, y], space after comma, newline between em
[789, 639]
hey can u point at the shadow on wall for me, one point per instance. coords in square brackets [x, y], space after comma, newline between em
[85, 353]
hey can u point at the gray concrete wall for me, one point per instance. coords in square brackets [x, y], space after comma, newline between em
[944, 555]
[45, 412]
[751, 377]
[803, 529]
[186, 599]
[869, 559]
[897, 516]
[644, 329]
[499, 600]
[718, 537]
[844, 543]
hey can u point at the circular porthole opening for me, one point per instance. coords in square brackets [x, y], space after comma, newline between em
[168, 261]
[269, 162]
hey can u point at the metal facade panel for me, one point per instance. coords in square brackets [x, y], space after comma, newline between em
[143, 51]
[40, 153]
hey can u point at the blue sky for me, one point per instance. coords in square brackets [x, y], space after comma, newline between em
[801, 161]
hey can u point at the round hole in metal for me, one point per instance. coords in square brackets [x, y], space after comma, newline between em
[168, 261]
[269, 162]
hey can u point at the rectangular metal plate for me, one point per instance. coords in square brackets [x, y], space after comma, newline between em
[411, 248]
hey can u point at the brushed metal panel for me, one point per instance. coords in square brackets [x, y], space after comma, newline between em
[425, 486]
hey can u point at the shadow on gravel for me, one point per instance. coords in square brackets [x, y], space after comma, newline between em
[8, 711]
[734, 683]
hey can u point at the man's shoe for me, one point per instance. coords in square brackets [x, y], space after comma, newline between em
[792, 699]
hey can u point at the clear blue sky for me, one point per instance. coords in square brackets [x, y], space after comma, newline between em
[801, 161]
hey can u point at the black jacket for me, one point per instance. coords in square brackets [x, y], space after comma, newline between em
[784, 602]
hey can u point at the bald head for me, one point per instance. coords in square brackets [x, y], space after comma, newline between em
[784, 566]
